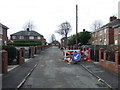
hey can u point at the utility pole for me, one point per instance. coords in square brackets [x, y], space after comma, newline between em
[77, 25]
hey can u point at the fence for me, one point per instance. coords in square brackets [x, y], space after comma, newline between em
[20, 55]
[110, 51]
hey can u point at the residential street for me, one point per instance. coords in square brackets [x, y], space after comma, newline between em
[53, 72]
[60, 44]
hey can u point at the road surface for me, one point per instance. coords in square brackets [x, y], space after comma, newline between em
[53, 72]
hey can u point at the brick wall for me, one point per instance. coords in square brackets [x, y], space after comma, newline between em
[111, 36]
[113, 66]
[116, 36]
[4, 61]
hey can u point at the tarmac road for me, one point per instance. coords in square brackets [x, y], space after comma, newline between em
[53, 72]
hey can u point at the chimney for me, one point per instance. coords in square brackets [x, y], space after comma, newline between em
[28, 29]
[112, 18]
[83, 30]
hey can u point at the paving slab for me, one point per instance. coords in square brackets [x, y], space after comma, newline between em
[110, 77]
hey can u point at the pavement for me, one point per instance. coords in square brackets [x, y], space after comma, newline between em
[17, 73]
[11, 67]
[108, 76]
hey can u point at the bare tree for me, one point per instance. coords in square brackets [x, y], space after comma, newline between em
[29, 26]
[64, 29]
[96, 25]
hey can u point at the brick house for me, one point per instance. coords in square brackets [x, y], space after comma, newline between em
[108, 34]
[63, 42]
[3, 34]
[28, 35]
[56, 43]
[117, 34]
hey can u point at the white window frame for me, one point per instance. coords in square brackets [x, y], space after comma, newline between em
[1, 30]
[105, 30]
[116, 42]
[31, 37]
[13, 37]
[0, 42]
[105, 42]
[118, 30]
[100, 32]
[38, 37]
[96, 33]
[21, 37]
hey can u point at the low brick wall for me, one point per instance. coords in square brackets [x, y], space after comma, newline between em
[38, 49]
[113, 66]
[4, 61]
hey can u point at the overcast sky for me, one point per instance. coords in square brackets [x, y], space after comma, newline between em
[47, 15]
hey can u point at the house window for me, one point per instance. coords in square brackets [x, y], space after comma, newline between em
[38, 37]
[119, 30]
[105, 30]
[1, 31]
[104, 41]
[21, 37]
[0, 42]
[31, 37]
[116, 42]
[13, 37]
[101, 32]
[95, 34]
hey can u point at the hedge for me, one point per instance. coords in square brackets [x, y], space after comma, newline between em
[11, 53]
[26, 43]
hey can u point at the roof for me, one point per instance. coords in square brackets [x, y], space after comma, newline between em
[27, 33]
[64, 38]
[55, 42]
[112, 23]
[3, 26]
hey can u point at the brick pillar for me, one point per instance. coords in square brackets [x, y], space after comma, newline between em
[4, 61]
[70, 47]
[105, 58]
[31, 52]
[21, 56]
[67, 47]
[39, 49]
[89, 53]
[35, 49]
[101, 54]
[117, 57]
[73, 47]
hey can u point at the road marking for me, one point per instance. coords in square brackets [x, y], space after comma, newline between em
[23, 81]
[99, 79]
[11, 67]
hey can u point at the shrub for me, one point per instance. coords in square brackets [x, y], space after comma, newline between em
[11, 53]
[26, 43]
